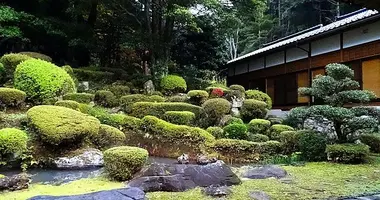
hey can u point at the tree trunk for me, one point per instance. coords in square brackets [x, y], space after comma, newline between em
[338, 129]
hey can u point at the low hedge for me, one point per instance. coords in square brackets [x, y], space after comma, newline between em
[119, 90]
[108, 136]
[259, 126]
[121, 163]
[217, 132]
[372, 140]
[180, 117]
[177, 98]
[260, 96]
[105, 98]
[173, 84]
[2, 73]
[10, 62]
[312, 145]
[127, 101]
[57, 125]
[141, 109]
[236, 131]
[197, 97]
[258, 138]
[37, 55]
[79, 97]
[347, 153]
[290, 142]
[276, 130]
[68, 104]
[253, 109]
[234, 120]
[10, 97]
[12, 142]
[97, 76]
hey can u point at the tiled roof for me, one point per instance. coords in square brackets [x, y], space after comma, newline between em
[330, 27]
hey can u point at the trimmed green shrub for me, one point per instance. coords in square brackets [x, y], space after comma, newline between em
[197, 97]
[97, 76]
[235, 91]
[119, 90]
[127, 101]
[236, 131]
[108, 136]
[57, 125]
[173, 84]
[105, 98]
[68, 69]
[259, 126]
[216, 108]
[276, 130]
[290, 142]
[253, 109]
[347, 153]
[141, 109]
[234, 120]
[312, 145]
[79, 97]
[68, 104]
[2, 73]
[41, 80]
[10, 62]
[37, 56]
[10, 97]
[260, 96]
[177, 98]
[217, 132]
[158, 93]
[296, 117]
[12, 141]
[121, 163]
[258, 138]
[180, 117]
[372, 140]
[238, 87]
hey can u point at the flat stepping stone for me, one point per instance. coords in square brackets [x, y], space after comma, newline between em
[263, 172]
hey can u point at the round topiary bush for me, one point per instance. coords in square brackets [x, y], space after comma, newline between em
[119, 90]
[105, 98]
[12, 141]
[253, 109]
[37, 55]
[108, 136]
[68, 104]
[68, 69]
[216, 108]
[236, 131]
[234, 120]
[372, 140]
[217, 132]
[236, 91]
[312, 145]
[197, 97]
[41, 80]
[57, 125]
[10, 62]
[180, 117]
[260, 96]
[2, 73]
[258, 138]
[238, 87]
[79, 97]
[10, 97]
[276, 130]
[173, 84]
[259, 126]
[122, 162]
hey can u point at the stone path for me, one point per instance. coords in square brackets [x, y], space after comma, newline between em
[371, 197]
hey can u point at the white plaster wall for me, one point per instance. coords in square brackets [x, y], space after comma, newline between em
[325, 45]
[241, 68]
[256, 64]
[294, 54]
[364, 34]
[275, 59]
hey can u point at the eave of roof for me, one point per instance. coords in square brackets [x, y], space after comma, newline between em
[335, 26]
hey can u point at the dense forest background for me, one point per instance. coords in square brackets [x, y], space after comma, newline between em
[191, 37]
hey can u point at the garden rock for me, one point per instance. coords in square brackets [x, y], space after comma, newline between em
[119, 194]
[323, 126]
[216, 191]
[149, 87]
[88, 159]
[15, 182]
[177, 178]
[263, 172]
[259, 195]
[84, 85]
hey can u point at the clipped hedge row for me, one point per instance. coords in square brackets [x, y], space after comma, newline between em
[89, 75]
[68, 104]
[141, 109]
[105, 98]
[180, 117]
[10, 97]
[79, 97]
[127, 101]
[347, 153]
[37, 55]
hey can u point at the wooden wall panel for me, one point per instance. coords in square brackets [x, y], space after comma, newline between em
[371, 74]
[325, 59]
[296, 66]
[303, 81]
[362, 51]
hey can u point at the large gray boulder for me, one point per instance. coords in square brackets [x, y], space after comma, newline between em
[177, 178]
[89, 158]
[263, 172]
[15, 182]
[149, 87]
[118, 194]
[322, 126]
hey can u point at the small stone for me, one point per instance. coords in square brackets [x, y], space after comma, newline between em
[149, 87]
[216, 191]
[15, 182]
[183, 159]
[259, 195]
[90, 158]
[202, 159]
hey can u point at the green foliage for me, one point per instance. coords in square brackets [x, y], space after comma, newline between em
[141, 109]
[197, 97]
[372, 140]
[37, 56]
[79, 97]
[105, 98]
[312, 145]
[10, 97]
[108, 137]
[41, 80]
[237, 91]
[296, 117]
[173, 84]
[337, 87]
[127, 101]
[57, 125]
[96, 76]
[347, 153]
[259, 126]
[236, 131]
[276, 130]
[119, 90]
[121, 163]
[290, 142]
[68, 69]
[234, 120]
[253, 109]
[238, 87]
[180, 117]
[68, 104]
[258, 138]
[2, 73]
[177, 98]
[359, 125]
[216, 108]
[12, 141]
[10, 62]
[260, 96]
[217, 132]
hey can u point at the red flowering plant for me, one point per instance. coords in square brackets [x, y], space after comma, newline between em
[217, 92]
